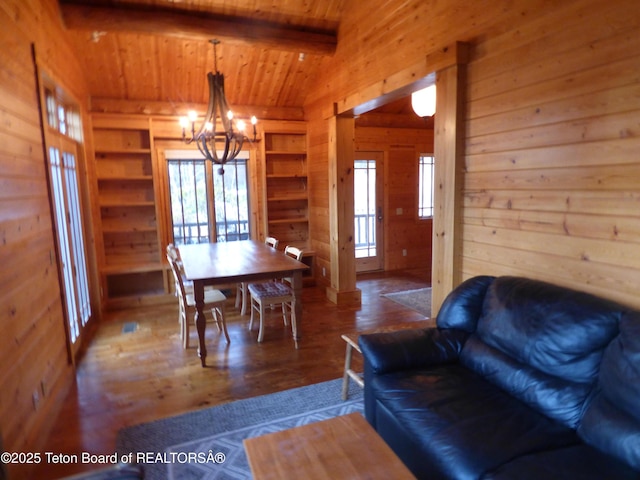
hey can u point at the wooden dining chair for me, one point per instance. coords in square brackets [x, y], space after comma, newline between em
[241, 288]
[276, 292]
[213, 300]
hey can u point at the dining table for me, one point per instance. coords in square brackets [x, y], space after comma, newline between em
[224, 263]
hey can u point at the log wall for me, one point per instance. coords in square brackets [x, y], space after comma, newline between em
[551, 181]
[35, 370]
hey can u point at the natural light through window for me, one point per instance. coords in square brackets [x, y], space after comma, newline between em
[425, 187]
[207, 206]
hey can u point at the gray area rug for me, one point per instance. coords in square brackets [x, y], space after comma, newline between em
[418, 300]
[207, 444]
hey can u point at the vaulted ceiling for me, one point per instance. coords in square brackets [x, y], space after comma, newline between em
[159, 50]
[271, 51]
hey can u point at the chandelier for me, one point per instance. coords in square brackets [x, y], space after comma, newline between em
[218, 146]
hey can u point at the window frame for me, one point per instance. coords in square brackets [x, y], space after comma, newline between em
[421, 193]
[210, 173]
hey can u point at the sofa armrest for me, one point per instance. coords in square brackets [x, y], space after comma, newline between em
[408, 349]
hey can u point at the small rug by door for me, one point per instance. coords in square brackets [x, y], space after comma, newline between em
[418, 300]
[207, 444]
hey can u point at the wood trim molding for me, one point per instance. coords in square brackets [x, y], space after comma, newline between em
[341, 211]
[447, 68]
[404, 82]
[449, 174]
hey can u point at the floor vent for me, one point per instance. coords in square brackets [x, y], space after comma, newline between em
[129, 327]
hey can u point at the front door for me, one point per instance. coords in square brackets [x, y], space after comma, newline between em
[368, 210]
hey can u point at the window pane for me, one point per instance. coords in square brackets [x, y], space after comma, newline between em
[57, 181]
[425, 186]
[190, 201]
[364, 180]
[74, 216]
[188, 196]
[232, 202]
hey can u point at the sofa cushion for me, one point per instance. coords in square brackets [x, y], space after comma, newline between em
[448, 422]
[576, 462]
[546, 343]
[612, 421]
[555, 397]
[463, 306]
[559, 331]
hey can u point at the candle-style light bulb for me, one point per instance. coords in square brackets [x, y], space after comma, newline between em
[184, 123]
[254, 120]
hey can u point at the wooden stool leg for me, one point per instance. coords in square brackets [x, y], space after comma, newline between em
[347, 367]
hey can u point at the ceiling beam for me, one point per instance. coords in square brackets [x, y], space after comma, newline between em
[197, 25]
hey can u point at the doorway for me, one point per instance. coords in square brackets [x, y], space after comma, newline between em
[368, 211]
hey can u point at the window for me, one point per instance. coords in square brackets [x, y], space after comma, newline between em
[425, 186]
[62, 117]
[232, 202]
[364, 181]
[204, 204]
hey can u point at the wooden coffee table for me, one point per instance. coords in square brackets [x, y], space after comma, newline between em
[344, 447]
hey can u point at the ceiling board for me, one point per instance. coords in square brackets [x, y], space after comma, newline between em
[139, 66]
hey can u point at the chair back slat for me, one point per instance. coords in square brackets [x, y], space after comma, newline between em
[272, 242]
[293, 252]
[177, 277]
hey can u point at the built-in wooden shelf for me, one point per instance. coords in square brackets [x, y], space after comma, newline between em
[288, 220]
[285, 174]
[133, 268]
[130, 178]
[288, 198]
[130, 264]
[127, 204]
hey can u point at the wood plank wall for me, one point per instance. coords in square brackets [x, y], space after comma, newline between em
[552, 171]
[552, 188]
[550, 191]
[33, 352]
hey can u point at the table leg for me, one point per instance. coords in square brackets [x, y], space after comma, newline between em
[201, 321]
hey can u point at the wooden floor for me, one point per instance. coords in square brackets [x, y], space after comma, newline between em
[130, 378]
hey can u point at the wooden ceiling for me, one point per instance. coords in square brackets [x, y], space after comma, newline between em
[159, 50]
[146, 51]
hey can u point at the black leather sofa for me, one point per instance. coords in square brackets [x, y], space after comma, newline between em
[521, 379]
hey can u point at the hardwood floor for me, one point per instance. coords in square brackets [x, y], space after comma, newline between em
[130, 378]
